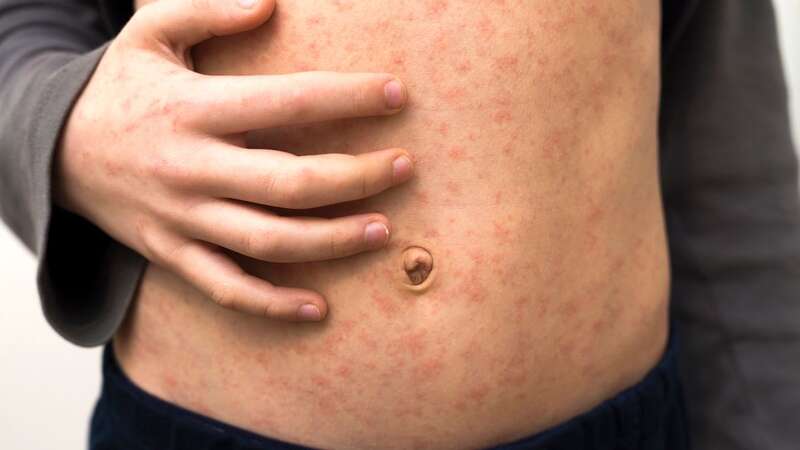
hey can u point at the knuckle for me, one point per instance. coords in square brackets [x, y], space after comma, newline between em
[151, 241]
[333, 244]
[360, 98]
[363, 183]
[165, 167]
[343, 241]
[143, 15]
[261, 243]
[268, 309]
[185, 107]
[142, 31]
[295, 187]
[297, 101]
[161, 166]
[351, 239]
[223, 295]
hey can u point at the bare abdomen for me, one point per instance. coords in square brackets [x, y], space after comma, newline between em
[526, 278]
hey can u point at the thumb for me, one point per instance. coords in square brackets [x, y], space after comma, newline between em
[180, 24]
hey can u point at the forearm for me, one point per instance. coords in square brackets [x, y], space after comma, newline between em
[40, 74]
[46, 57]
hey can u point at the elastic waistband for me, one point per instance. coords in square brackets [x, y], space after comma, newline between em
[629, 420]
[643, 416]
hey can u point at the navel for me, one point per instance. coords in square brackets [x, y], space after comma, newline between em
[417, 263]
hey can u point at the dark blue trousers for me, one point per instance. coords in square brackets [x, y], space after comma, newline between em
[647, 416]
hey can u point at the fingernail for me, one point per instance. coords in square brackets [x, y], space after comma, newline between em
[395, 95]
[402, 169]
[308, 312]
[376, 234]
[247, 3]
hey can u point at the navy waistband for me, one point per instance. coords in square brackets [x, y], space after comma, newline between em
[648, 415]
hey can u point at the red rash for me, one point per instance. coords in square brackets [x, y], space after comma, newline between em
[437, 7]
[457, 153]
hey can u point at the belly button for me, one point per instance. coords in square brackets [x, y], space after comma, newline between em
[417, 266]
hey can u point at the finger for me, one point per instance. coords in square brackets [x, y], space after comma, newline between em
[180, 24]
[243, 103]
[254, 232]
[280, 179]
[217, 276]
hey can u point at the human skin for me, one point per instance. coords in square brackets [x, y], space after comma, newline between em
[149, 152]
[535, 211]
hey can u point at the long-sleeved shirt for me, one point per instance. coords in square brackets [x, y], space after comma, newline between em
[728, 174]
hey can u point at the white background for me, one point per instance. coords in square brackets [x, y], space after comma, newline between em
[48, 387]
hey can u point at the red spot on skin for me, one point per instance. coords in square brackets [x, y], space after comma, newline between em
[478, 393]
[597, 325]
[498, 197]
[403, 411]
[437, 7]
[414, 343]
[314, 20]
[431, 234]
[542, 310]
[457, 153]
[503, 100]
[463, 67]
[320, 381]
[501, 232]
[399, 58]
[453, 188]
[343, 371]
[170, 382]
[506, 63]
[476, 292]
[453, 94]
[384, 303]
[443, 128]
[429, 369]
[324, 402]
[486, 28]
[477, 257]
[343, 5]
[543, 60]
[514, 377]
[348, 325]
[596, 214]
[422, 198]
[567, 348]
[502, 116]
[508, 149]
[522, 300]
[333, 341]
[368, 341]
[313, 49]
[569, 308]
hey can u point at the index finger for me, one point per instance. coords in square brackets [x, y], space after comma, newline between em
[236, 104]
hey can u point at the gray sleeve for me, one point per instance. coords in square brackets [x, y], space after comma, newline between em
[48, 50]
[729, 174]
